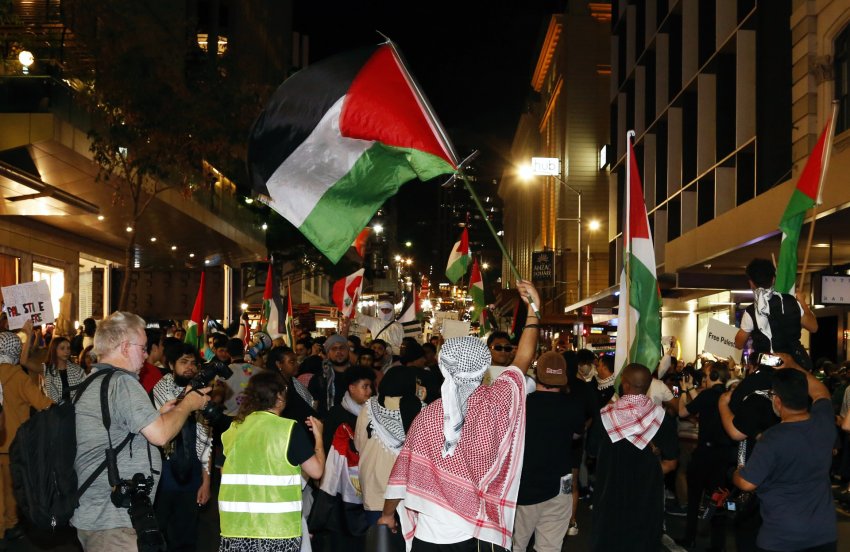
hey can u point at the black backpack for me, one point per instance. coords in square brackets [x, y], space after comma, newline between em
[42, 459]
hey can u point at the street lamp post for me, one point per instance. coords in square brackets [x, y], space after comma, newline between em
[544, 166]
[593, 226]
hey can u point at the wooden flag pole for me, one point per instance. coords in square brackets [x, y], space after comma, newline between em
[824, 167]
[627, 242]
[496, 237]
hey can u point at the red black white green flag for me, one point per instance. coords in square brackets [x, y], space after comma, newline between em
[195, 328]
[639, 315]
[806, 195]
[340, 137]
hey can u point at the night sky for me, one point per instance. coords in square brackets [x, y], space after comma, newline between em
[473, 60]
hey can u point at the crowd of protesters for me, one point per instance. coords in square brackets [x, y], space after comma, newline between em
[468, 444]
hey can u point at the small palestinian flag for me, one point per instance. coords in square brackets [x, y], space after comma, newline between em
[459, 258]
[195, 328]
[339, 138]
[290, 320]
[271, 306]
[346, 292]
[476, 290]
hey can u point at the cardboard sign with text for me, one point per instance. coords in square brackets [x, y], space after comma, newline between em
[720, 340]
[29, 301]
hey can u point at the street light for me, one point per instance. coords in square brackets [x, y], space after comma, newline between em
[540, 167]
[592, 226]
[378, 229]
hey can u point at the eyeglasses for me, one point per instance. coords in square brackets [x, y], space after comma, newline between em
[144, 348]
[503, 348]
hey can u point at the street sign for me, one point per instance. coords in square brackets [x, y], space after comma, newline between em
[543, 267]
[545, 166]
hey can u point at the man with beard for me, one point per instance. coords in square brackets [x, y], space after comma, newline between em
[185, 482]
[383, 355]
[384, 326]
[333, 368]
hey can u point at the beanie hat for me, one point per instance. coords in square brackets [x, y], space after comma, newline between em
[334, 340]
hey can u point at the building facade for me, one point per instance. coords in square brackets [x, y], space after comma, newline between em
[565, 119]
[727, 99]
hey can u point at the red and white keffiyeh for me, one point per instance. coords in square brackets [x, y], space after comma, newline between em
[632, 417]
[479, 482]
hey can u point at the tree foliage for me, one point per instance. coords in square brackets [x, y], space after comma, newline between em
[159, 105]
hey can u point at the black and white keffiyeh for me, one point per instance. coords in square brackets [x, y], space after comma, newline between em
[463, 362]
[386, 424]
[10, 348]
[302, 391]
[761, 306]
[166, 389]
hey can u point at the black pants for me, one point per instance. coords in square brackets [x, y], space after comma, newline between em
[177, 516]
[707, 472]
[471, 545]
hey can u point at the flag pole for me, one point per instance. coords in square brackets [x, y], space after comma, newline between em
[627, 239]
[824, 168]
[505, 253]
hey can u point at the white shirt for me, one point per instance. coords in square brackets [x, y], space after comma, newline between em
[659, 392]
[447, 529]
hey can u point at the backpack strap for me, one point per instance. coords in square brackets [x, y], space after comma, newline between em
[107, 421]
[80, 387]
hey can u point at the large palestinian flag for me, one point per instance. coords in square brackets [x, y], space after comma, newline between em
[339, 138]
[639, 315]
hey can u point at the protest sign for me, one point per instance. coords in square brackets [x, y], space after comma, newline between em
[29, 301]
[720, 340]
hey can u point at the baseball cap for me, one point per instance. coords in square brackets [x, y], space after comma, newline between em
[551, 369]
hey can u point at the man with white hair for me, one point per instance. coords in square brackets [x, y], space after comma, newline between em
[458, 471]
[128, 424]
[384, 326]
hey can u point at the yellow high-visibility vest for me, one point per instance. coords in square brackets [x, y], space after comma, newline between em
[260, 494]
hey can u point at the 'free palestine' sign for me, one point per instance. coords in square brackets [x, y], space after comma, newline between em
[720, 340]
[28, 301]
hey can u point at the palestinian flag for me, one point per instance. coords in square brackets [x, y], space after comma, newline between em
[195, 328]
[271, 307]
[639, 315]
[289, 331]
[459, 258]
[806, 195]
[411, 316]
[340, 137]
[476, 290]
[346, 292]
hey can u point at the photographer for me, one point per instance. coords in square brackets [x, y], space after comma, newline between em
[120, 344]
[185, 483]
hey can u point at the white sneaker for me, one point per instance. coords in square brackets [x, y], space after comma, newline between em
[573, 529]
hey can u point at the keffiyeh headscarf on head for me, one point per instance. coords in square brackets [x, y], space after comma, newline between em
[10, 348]
[463, 362]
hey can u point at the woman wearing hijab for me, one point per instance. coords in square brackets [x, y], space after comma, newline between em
[381, 429]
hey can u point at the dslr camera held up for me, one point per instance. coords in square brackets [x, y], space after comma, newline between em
[215, 368]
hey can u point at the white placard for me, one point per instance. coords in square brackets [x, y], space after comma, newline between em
[720, 340]
[454, 328]
[29, 301]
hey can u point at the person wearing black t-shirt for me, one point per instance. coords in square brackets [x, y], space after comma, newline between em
[714, 454]
[789, 468]
[545, 490]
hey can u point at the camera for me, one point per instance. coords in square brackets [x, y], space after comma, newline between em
[134, 494]
[211, 412]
